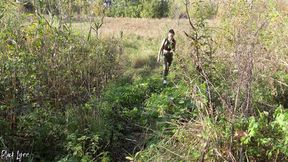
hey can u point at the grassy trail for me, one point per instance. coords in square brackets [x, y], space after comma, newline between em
[139, 64]
[138, 98]
[136, 105]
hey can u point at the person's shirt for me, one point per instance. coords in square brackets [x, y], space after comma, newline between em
[169, 45]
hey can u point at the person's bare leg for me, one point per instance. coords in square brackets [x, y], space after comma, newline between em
[169, 59]
[165, 70]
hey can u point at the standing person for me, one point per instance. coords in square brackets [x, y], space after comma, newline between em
[167, 50]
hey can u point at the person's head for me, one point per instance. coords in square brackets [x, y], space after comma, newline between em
[171, 34]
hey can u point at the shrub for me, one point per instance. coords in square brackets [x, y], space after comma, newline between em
[45, 69]
[43, 131]
[172, 101]
[267, 136]
[87, 132]
[141, 8]
[124, 8]
[197, 9]
[155, 9]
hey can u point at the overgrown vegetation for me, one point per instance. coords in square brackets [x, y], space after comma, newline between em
[68, 96]
[231, 79]
[123, 8]
[47, 71]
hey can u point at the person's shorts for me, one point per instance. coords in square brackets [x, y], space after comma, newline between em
[168, 58]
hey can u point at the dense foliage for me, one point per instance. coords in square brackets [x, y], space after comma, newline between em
[46, 72]
[235, 77]
[123, 8]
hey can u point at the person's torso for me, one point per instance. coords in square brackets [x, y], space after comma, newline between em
[169, 45]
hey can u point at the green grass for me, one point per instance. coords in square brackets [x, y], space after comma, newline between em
[140, 56]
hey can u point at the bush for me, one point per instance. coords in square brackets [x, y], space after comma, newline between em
[147, 8]
[172, 101]
[43, 130]
[204, 9]
[122, 8]
[44, 70]
[52, 63]
[88, 132]
[197, 9]
[267, 136]
[155, 9]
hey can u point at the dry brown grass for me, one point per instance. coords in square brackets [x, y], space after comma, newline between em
[148, 28]
[283, 6]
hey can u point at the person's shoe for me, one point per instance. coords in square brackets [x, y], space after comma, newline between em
[165, 82]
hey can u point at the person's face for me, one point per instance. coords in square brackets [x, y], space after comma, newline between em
[170, 35]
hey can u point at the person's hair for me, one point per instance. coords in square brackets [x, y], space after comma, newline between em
[171, 31]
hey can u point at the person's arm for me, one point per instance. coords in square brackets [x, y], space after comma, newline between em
[174, 47]
[160, 50]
